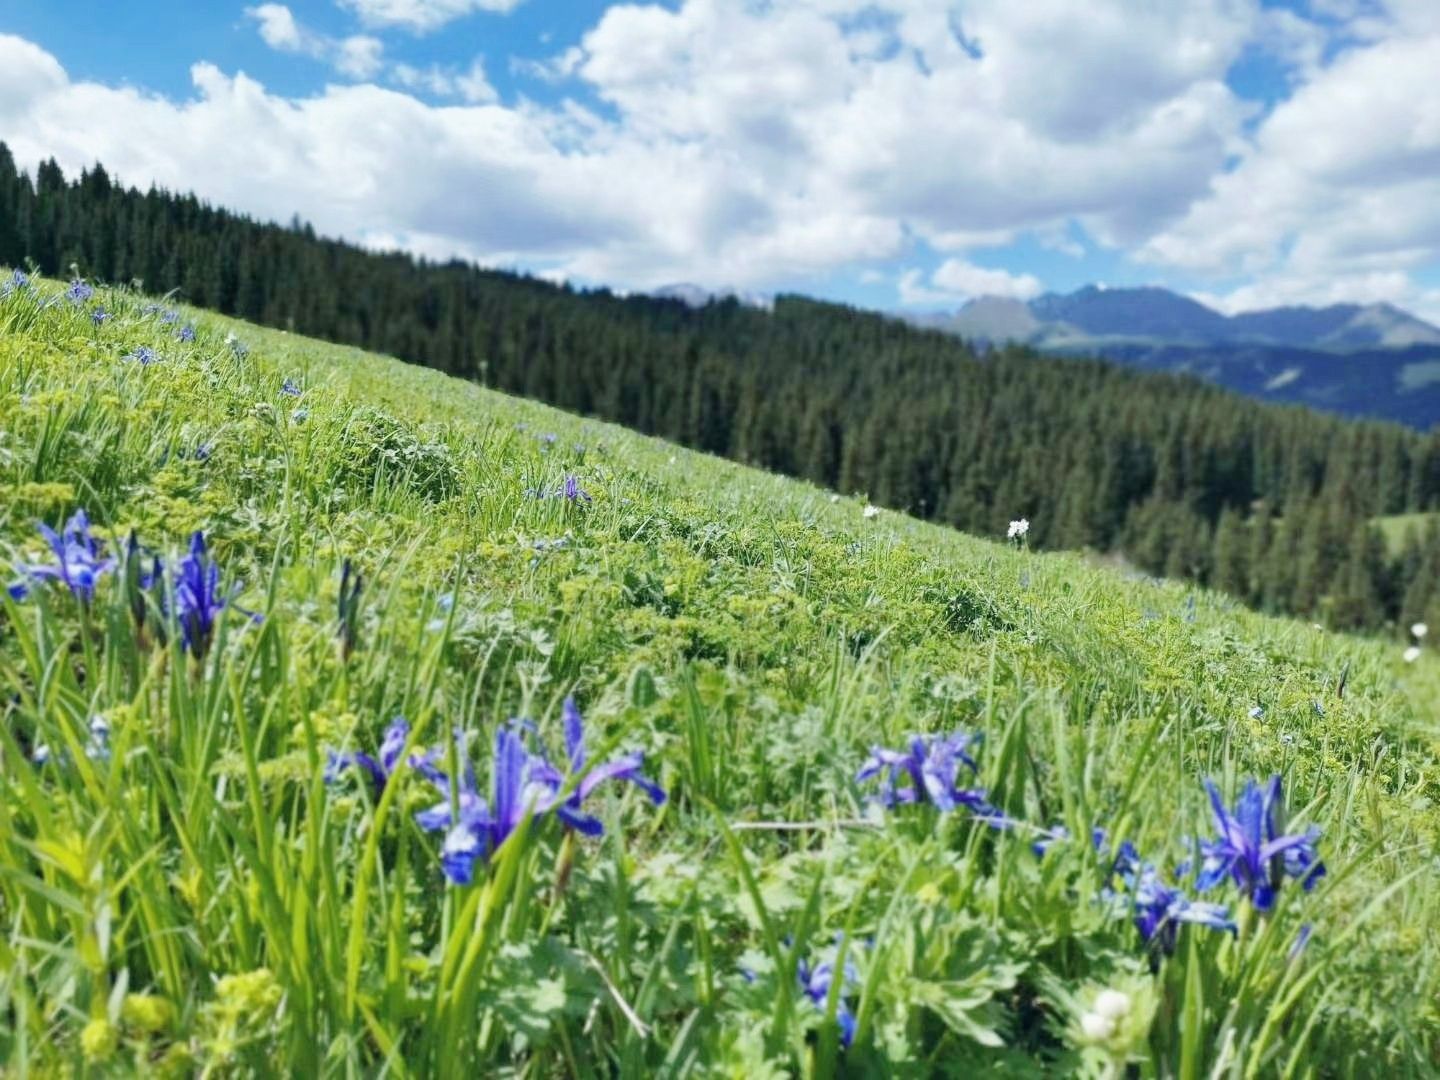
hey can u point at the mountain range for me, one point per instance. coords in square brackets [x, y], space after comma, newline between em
[1356, 359]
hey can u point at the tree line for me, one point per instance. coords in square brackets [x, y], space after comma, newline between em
[1274, 504]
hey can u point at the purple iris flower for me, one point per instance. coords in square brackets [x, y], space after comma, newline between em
[475, 829]
[143, 355]
[79, 292]
[573, 491]
[185, 333]
[815, 984]
[78, 560]
[290, 389]
[625, 767]
[1253, 850]
[931, 763]
[167, 317]
[19, 279]
[198, 598]
[99, 315]
[381, 766]
[1159, 910]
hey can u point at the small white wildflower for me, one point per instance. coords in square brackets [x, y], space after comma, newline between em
[1419, 629]
[834, 498]
[1111, 1004]
[1412, 654]
[1018, 528]
[40, 755]
[1096, 1027]
[871, 510]
[1257, 712]
[1288, 739]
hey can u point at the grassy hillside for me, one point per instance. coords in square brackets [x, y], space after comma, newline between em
[185, 886]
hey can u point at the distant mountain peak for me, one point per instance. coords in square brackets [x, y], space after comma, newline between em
[1098, 315]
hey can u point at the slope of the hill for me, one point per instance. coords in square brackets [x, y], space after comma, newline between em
[182, 890]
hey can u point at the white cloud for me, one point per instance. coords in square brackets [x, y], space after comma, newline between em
[955, 281]
[278, 27]
[1338, 193]
[359, 57]
[751, 144]
[422, 16]
[470, 85]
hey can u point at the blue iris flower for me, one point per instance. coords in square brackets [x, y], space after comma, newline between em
[522, 782]
[475, 828]
[931, 764]
[143, 355]
[626, 767]
[381, 766]
[79, 561]
[185, 333]
[198, 598]
[573, 491]
[79, 292]
[1159, 910]
[815, 984]
[289, 389]
[1253, 850]
[99, 315]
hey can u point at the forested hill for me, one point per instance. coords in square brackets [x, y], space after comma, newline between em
[1272, 504]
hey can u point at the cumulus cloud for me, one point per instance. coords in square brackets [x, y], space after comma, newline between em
[730, 142]
[422, 16]
[1338, 191]
[956, 280]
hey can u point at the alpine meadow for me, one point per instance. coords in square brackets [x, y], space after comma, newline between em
[720, 539]
[360, 720]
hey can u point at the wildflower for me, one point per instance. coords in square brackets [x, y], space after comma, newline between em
[1058, 834]
[548, 440]
[931, 763]
[380, 767]
[198, 600]
[1159, 910]
[185, 333]
[97, 747]
[299, 416]
[19, 279]
[78, 560]
[1412, 654]
[168, 317]
[99, 316]
[625, 767]
[572, 491]
[1018, 529]
[815, 983]
[147, 1012]
[1251, 848]
[1095, 1027]
[79, 292]
[1257, 711]
[143, 355]
[290, 389]
[1419, 629]
[476, 829]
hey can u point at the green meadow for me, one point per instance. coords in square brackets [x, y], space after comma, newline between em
[185, 891]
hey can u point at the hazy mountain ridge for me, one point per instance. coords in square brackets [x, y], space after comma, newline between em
[1357, 359]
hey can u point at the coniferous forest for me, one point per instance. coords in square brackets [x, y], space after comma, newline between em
[1274, 505]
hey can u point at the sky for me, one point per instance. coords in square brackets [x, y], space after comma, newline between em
[895, 154]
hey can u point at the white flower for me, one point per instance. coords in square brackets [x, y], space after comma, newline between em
[834, 498]
[871, 510]
[1419, 629]
[1257, 712]
[1097, 1027]
[1018, 529]
[1111, 1004]
[1412, 654]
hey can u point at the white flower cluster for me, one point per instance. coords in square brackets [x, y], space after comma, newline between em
[1109, 1008]
[1018, 529]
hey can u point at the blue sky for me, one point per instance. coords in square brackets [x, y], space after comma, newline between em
[891, 153]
